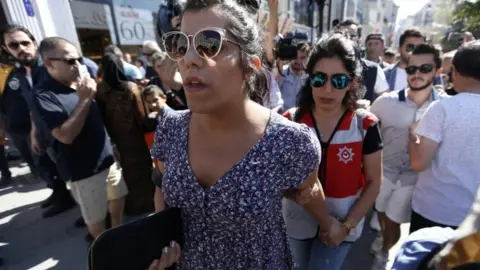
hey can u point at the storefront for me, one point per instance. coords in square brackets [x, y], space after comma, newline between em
[122, 22]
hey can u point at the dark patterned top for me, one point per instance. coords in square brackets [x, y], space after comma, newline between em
[237, 223]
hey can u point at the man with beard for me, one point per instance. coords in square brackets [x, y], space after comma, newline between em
[293, 76]
[397, 111]
[395, 74]
[22, 122]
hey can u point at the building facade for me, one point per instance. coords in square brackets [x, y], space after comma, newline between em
[38, 16]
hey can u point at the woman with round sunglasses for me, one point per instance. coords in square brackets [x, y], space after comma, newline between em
[228, 160]
[350, 171]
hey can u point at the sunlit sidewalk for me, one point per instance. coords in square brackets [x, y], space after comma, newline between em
[27, 241]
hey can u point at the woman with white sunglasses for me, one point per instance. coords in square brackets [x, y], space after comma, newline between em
[228, 160]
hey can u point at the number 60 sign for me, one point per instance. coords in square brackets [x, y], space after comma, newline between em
[134, 25]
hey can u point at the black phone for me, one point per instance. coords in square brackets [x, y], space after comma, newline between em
[137, 244]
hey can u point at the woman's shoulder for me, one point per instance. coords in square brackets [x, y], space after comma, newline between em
[292, 134]
[171, 117]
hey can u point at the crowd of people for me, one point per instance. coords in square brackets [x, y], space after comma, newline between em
[275, 164]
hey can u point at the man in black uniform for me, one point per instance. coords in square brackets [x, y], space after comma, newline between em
[374, 80]
[22, 122]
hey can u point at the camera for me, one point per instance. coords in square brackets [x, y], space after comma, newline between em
[286, 48]
[167, 10]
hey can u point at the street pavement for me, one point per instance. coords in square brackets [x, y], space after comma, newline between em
[27, 241]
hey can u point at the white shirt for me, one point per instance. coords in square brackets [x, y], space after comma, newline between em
[381, 84]
[401, 81]
[275, 97]
[445, 192]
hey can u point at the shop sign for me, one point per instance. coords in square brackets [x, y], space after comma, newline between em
[91, 15]
[134, 25]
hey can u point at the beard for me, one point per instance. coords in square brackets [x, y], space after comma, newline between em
[28, 60]
[423, 86]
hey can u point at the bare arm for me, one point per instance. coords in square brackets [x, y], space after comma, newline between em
[272, 29]
[372, 167]
[158, 200]
[422, 151]
[315, 203]
[70, 129]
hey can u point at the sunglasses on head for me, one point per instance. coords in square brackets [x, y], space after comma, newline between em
[14, 45]
[339, 81]
[425, 68]
[207, 43]
[69, 61]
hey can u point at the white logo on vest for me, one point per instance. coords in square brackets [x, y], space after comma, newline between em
[14, 84]
[345, 154]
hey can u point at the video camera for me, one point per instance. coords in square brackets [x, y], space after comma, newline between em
[286, 48]
[167, 10]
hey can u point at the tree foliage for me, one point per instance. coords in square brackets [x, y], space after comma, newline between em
[469, 13]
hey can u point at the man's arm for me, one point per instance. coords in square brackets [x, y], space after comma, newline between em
[421, 150]
[426, 137]
[310, 195]
[69, 130]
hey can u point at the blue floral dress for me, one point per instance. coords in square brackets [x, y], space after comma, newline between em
[237, 223]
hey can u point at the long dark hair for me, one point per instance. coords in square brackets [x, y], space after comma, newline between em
[329, 46]
[243, 28]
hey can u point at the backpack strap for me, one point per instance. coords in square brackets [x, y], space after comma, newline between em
[402, 96]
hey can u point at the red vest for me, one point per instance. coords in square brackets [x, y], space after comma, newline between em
[341, 168]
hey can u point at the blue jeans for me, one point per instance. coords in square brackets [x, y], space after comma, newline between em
[313, 254]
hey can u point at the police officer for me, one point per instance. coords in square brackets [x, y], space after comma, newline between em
[20, 120]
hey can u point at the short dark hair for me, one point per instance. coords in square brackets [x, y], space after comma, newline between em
[467, 60]
[348, 23]
[335, 22]
[10, 28]
[303, 46]
[153, 90]
[375, 37]
[429, 49]
[389, 52]
[113, 49]
[411, 33]
[51, 43]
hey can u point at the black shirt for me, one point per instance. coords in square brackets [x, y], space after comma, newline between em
[150, 72]
[90, 152]
[13, 104]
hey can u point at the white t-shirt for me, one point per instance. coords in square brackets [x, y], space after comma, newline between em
[275, 97]
[401, 81]
[381, 84]
[445, 192]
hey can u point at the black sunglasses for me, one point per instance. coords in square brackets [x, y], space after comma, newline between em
[14, 45]
[410, 47]
[425, 68]
[339, 81]
[69, 61]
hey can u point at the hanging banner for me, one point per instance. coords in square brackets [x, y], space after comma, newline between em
[29, 8]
